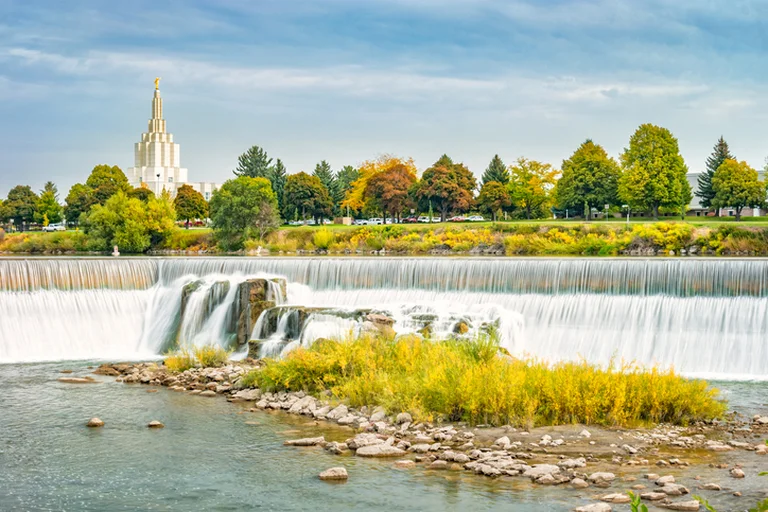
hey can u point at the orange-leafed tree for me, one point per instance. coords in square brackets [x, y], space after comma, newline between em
[447, 186]
[355, 196]
[389, 190]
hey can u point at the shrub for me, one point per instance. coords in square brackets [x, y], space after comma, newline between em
[210, 356]
[323, 238]
[457, 380]
[179, 361]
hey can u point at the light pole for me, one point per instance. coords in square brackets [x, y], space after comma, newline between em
[628, 210]
[158, 185]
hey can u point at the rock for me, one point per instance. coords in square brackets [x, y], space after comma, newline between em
[403, 417]
[604, 476]
[378, 415]
[208, 393]
[405, 464]
[578, 483]
[595, 507]
[737, 473]
[379, 450]
[94, 423]
[336, 448]
[247, 395]
[680, 505]
[77, 380]
[155, 424]
[573, 463]
[539, 470]
[334, 474]
[307, 441]
[762, 420]
[502, 442]
[419, 448]
[629, 449]
[616, 498]
[365, 439]
[652, 476]
[674, 490]
[438, 464]
[666, 479]
[338, 413]
[585, 433]
[653, 496]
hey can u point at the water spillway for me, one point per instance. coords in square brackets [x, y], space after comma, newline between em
[704, 317]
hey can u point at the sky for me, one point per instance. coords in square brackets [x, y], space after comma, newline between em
[349, 80]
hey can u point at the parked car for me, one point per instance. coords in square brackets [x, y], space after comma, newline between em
[424, 219]
[360, 222]
[295, 223]
[476, 218]
[436, 219]
[457, 218]
[375, 221]
[54, 227]
[410, 220]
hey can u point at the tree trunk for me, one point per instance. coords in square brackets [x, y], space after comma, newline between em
[655, 212]
[587, 211]
[528, 212]
[443, 213]
[738, 213]
[493, 216]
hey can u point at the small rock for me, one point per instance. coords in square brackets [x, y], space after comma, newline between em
[711, 487]
[77, 380]
[595, 507]
[585, 433]
[605, 477]
[681, 505]
[379, 450]
[578, 483]
[539, 470]
[438, 464]
[616, 498]
[666, 479]
[94, 423]
[405, 464]
[403, 417]
[155, 424]
[737, 473]
[653, 496]
[334, 474]
[208, 393]
[674, 490]
[307, 441]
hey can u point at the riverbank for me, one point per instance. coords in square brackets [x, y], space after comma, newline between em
[665, 464]
[546, 238]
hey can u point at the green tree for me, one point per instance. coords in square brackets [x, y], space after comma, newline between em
[48, 208]
[326, 176]
[530, 187]
[189, 204]
[254, 163]
[589, 180]
[21, 205]
[653, 171]
[242, 209]
[705, 191]
[496, 171]
[736, 185]
[79, 201]
[143, 194]
[106, 181]
[447, 186]
[493, 198]
[278, 176]
[344, 180]
[308, 196]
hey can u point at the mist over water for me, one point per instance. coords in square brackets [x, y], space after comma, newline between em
[704, 317]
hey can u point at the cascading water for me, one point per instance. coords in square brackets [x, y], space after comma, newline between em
[704, 316]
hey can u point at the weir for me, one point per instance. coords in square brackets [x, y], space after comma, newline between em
[705, 317]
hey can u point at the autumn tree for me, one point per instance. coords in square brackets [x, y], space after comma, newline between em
[79, 200]
[530, 186]
[48, 208]
[354, 199]
[142, 193]
[307, 195]
[105, 181]
[389, 190]
[242, 209]
[736, 185]
[654, 172]
[189, 204]
[447, 186]
[496, 171]
[254, 163]
[705, 191]
[493, 198]
[20, 205]
[589, 180]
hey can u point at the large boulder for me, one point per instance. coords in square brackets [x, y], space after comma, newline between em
[334, 474]
[380, 450]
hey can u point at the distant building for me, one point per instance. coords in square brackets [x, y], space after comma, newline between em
[696, 210]
[157, 160]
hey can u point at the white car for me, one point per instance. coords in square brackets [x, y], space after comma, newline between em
[476, 218]
[375, 221]
[54, 227]
[424, 219]
[360, 222]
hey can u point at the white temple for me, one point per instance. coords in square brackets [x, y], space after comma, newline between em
[157, 162]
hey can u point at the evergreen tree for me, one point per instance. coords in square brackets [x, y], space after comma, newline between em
[52, 188]
[496, 171]
[325, 174]
[254, 163]
[344, 180]
[719, 155]
[278, 176]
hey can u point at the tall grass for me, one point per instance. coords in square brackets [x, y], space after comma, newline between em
[206, 356]
[473, 382]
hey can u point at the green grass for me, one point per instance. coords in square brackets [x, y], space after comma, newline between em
[470, 380]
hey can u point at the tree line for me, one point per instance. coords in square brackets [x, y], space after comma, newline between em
[649, 176]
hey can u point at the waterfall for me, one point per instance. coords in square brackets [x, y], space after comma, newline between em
[703, 316]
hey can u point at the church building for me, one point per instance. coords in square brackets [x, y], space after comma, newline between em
[157, 159]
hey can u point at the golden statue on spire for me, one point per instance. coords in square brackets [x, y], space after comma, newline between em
[157, 83]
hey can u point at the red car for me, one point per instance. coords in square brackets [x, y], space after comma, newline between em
[410, 220]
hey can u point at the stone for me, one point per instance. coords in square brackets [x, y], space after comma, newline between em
[653, 496]
[94, 423]
[155, 424]
[77, 380]
[208, 393]
[573, 463]
[711, 487]
[338, 413]
[247, 395]
[595, 507]
[403, 417]
[539, 470]
[364, 439]
[419, 448]
[737, 473]
[378, 415]
[616, 497]
[666, 479]
[336, 448]
[438, 464]
[674, 490]
[604, 476]
[681, 505]
[762, 420]
[585, 433]
[334, 474]
[502, 442]
[578, 483]
[379, 450]
[405, 464]
[307, 441]
[652, 476]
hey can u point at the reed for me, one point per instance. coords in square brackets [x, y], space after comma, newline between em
[207, 356]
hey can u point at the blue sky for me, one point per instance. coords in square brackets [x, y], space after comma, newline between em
[347, 80]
